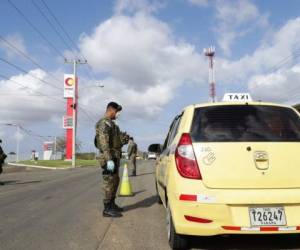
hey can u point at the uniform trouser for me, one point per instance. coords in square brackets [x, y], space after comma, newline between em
[132, 163]
[1, 169]
[110, 184]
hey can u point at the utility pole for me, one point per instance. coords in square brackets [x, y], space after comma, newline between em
[75, 62]
[210, 53]
[18, 142]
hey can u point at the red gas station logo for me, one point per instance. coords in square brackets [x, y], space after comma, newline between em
[69, 81]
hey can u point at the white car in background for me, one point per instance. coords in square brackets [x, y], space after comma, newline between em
[152, 156]
[125, 155]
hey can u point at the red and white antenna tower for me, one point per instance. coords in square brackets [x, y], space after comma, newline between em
[210, 53]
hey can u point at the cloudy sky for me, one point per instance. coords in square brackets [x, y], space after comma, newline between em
[147, 53]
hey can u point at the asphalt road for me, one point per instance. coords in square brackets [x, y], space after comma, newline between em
[61, 210]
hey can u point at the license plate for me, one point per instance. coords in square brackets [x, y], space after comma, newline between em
[267, 216]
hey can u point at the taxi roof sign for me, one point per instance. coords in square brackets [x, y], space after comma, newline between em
[237, 97]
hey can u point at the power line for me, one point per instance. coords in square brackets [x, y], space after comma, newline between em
[26, 87]
[58, 33]
[294, 54]
[30, 133]
[26, 56]
[276, 67]
[36, 29]
[13, 93]
[51, 25]
[44, 38]
[41, 94]
[59, 24]
[93, 119]
[51, 13]
[24, 71]
[27, 72]
[68, 36]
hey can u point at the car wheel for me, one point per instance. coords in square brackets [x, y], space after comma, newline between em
[176, 241]
[159, 201]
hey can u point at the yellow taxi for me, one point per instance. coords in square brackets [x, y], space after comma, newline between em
[231, 167]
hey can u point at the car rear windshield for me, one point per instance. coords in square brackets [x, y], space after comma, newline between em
[244, 123]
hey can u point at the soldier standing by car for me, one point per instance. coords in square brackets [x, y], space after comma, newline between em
[110, 140]
[132, 153]
[2, 159]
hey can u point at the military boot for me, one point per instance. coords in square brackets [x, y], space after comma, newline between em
[115, 207]
[109, 212]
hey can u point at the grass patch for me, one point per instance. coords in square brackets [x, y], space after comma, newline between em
[60, 163]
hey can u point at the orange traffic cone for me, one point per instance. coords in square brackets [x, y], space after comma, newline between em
[125, 189]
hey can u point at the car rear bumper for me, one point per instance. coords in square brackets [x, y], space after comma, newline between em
[200, 218]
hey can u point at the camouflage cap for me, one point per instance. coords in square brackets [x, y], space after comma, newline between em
[114, 105]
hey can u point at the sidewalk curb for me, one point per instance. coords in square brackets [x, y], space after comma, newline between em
[36, 166]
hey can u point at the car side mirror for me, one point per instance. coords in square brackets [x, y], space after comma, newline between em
[155, 148]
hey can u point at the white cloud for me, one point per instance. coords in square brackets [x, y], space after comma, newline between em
[271, 72]
[24, 104]
[233, 20]
[145, 63]
[199, 3]
[137, 105]
[17, 41]
[265, 57]
[236, 12]
[144, 60]
[151, 138]
[2, 133]
[236, 19]
[280, 86]
[133, 6]
[19, 135]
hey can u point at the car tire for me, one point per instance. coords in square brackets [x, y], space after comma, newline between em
[159, 201]
[176, 241]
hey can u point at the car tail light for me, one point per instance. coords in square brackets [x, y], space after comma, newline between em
[188, 197]
[197, 219]
[186, 162]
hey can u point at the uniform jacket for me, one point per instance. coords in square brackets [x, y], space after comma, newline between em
[132, 149]
[109, 140]
[2, 156]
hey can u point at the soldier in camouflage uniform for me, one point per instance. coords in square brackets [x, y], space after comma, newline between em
[132, 151]
[109, 140]
[2, 159]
